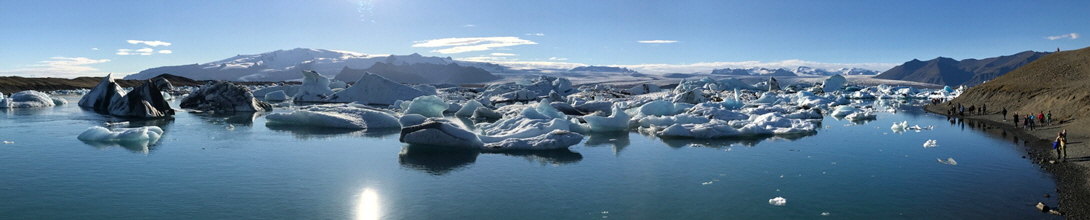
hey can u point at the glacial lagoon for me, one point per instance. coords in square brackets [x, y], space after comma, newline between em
[236, 167]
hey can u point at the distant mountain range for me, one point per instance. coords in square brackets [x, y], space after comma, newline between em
[606, 69]
[285, 65]
[420, 73]
[800, 71]
[968, 72]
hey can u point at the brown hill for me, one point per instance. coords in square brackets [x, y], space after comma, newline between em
[1059, 82]
[13, 84]
[969, 72]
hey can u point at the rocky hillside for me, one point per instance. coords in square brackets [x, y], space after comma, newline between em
[1059, 82]
[969, 72]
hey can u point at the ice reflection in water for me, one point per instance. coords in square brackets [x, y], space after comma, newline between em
[436, 160]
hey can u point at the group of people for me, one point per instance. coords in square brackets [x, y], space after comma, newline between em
[1030, 121]
[960, 110]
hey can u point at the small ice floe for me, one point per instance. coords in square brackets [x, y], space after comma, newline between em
[121, 123]
[825, 214]
[9, 142]
[948, 161]
[930, 143]
[230, 127]
[778, 201]
[707, 183]
[139, 134]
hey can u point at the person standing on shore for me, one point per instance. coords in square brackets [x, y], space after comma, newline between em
[1060, 144]
[1048, 118]
[1041, 117]
[1004, 113]
[984, 109]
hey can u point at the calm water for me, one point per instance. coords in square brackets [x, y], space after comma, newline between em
[201, 169]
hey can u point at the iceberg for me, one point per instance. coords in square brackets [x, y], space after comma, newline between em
[374, 89]
[643, 88]
[861, 115]
[662, 108]
[440, 133]
[223, 96]
[428, 106]
[833, 83]
[101, 134]
[315, 88]
[556, 139]
[100, 97]
[778, 201]
[276, 96]
[348, 116]
[930, 143]
[468, 109]
[842, 111]
[618, 121]
[28, 99]
[144, 101]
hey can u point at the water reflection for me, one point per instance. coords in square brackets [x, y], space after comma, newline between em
[369, 206]
[308, 132]
[444, 160]
[238, 118]
[143, 147]
[27, 111]
[717, 143]
[619, 140]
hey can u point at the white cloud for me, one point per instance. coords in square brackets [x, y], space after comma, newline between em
[504, 54]
[469, 25]
[145, 51]
[657, 41]
[535, 34]
[94, 48]
[59, 67]
[149, 43]
[558, 58]
[1069, 36]
[786, 64]
[142, 51]
[124, 52]
[469, 44]
[166, 51]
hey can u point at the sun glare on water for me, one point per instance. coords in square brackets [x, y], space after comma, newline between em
[368, 208]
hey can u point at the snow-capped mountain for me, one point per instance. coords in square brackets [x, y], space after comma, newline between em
[800, 71]
[756, 71]
[810, 71]
[284, 65]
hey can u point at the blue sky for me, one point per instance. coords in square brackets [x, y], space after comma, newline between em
[73, 38]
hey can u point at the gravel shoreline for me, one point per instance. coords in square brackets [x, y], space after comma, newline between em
[1071, 175]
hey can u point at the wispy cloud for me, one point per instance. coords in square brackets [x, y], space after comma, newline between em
[165, 51]
[59, 67]
[469, 44]
[94, 48]
[469, 25]
[142, 51]
[149, 43]
[657, 41]
[1062, 36]
[504, 54]
[558, 58]
[535, 34]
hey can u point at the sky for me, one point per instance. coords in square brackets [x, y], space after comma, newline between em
[47, 38]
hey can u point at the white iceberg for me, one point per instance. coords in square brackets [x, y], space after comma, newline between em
[439, 133]
[315, 88]
[335, 116]
[930, 143]
[556, 139]
[618, 121]
[644, 88]
[468, 109]
[278, 95]
[428, 106]
[948, 161]
[778, 201]
[28, 99]
[375, 89]
[833, 83]
[101, 134]
[662, 108]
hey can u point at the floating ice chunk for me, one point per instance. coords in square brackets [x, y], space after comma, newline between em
[556, 139]
[948, 161]
[833, 83]
[644, 89]
[861, 115]
[27, 99]
[775, 123]
[101, 95]
[278, 95]
[144, 101]
[899, 127]
[842, 111]
[342, 116]
[223, 96]
[713, 129]
[485, 114]
[546, 109]
[767, 98]
[930, 143]
[101, 134]
[315, 88]
[862, 95]
[427, 89]
[412, 119]
[428, 106]
[618, 121]
[692, 97]
[375, 89]
[440, 133]
[662, 108]
[337, 84]
[671, 120]
[778, 201]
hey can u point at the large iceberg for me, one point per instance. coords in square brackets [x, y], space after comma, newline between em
[144, 101]
[348, 116]
[101, 134]
[429, 106]
[440, 133]
[30, 99]
[556, 139]
[618, 121]
[833, 83]
[315, 88]
[375, 89]
[100, 97]
[223, 96]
